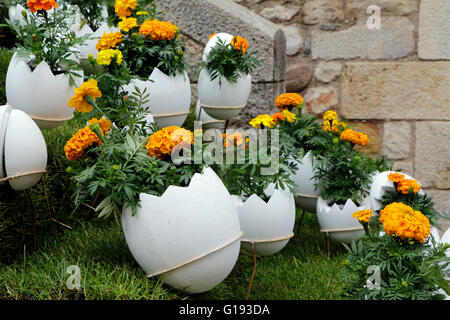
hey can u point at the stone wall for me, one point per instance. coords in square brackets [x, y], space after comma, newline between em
[394, 83]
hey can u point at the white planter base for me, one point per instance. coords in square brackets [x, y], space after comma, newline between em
[306, 202]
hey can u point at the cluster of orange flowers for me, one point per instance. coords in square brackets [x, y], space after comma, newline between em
[162, 142]
[158, 30]
[358, 138]
[239, 43]
[234, 139]
[363, 215]
[85, 138]
[123, 7]
[402, 221]
[109, 40]
[78, 101]
[333, 125]
[289, 101]
[404, 186]
[46, 5]
[284, 115]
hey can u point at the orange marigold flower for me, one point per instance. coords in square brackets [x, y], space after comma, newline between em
[396, 177]
[122, 7]
[78, 101]
[162, 142]
[46, 5]
[363, 215]
[234, 139]
[288, 101]
[408, 186]
[105, 124]
[400, 220]
[109, 40]
[239, 43]
[127, 24]
[84, 139]
[158, 30]
[355, 137]
[278, 116]
[211, 35]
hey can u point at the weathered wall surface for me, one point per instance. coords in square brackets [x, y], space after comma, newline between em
[199, 18]
[393, 82]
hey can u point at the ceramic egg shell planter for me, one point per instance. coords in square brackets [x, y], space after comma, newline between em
[307, 194]
[207, 121]
[39, 93]
[337, 221]
[190, 236]
[222, 101]
[169, 97]
[23, 152]
[15, 14]
[380, 186]
[268, 225]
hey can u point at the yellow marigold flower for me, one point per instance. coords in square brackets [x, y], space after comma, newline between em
[330, 116]
[109, 40]
[162, 142]
[84, 139]
[128, 23]
[363, 215]
[333, 125]
[78, 101]
[212, 35]
[290, 117]
[402, 221]
[158, 30]
[142, 13]
[105, 57]
[396, 177]
[239, 43]
[355, 137]
[122, 7]
[408, 186]
[264, 120]
[46, 5]
[288, 101]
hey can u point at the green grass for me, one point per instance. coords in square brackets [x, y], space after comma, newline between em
[5, 57]
[301, 270]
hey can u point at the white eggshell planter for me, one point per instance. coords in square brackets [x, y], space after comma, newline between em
[169, 97]
[223, 101]
[307, 194]
[267, 225]
[380, 186]
[207, 121]
[225, 37]
[23, 152]
[39, 93]
[190, 236]
[15, 14]
[337, 221]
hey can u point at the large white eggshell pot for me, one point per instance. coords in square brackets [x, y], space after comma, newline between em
[197, 224]
[169, 97]
[23, 148]
[380, 186]
[223, 100]
[39, 93]
[307, 194]
[269, 224]
[207, 121]
[334, 218]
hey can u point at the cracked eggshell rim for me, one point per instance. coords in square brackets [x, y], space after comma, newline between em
[167, 95]
[265, 221]
[24, 150]
[183, 224]
[29, 91]
[380, 185]
[333, 217]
